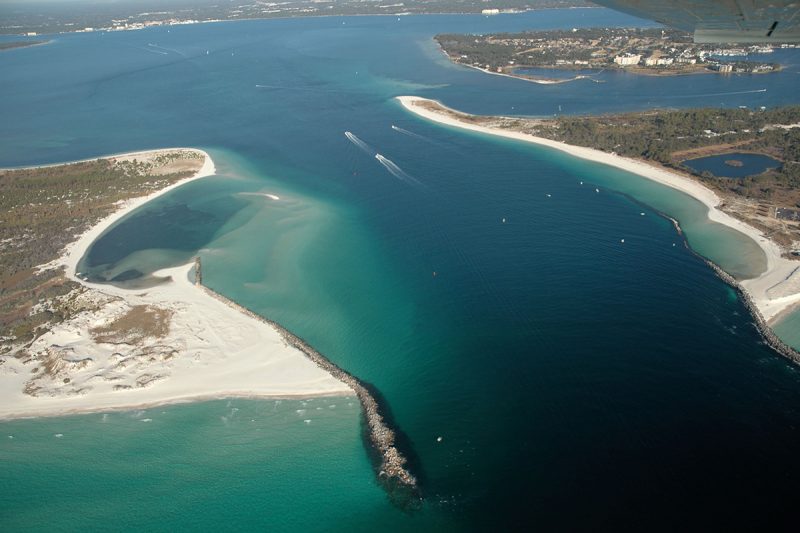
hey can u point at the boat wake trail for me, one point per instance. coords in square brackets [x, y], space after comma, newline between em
[152, 47]
[361, 144]
[410, 133]
[423, 138]
[718, 94]
[154, 50]
[295, 88]
[398, 172]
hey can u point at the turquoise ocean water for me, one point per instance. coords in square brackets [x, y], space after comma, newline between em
[577, 382]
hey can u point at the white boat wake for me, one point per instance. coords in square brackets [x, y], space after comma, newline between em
[752, 91]
[154, 51]
[409, 133]
[361, 144]
[398, 172]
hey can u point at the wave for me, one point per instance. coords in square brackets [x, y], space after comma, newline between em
[361, 144]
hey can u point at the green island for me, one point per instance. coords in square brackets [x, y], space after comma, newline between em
[653, 51]
[43, 210]
[769, 201]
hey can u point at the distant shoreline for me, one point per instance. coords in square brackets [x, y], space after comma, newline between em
[315, 16]
[781, 275]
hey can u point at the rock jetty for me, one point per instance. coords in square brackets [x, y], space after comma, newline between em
[767, 334]
[391, 468]
[760, 323]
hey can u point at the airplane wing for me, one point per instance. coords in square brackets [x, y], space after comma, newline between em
[721, 21]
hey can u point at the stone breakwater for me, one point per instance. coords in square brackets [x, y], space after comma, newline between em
[761, 324]
[392, 471]
[768, 335]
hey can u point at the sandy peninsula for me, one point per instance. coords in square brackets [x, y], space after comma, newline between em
[167, 344]
[775, 290]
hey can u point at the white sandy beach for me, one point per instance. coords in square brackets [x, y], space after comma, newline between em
[774, 291]
[211, 350]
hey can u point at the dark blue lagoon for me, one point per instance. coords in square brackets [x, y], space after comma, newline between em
[576, 382]
[735, 165]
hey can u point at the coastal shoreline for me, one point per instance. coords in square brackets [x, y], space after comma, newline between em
[780, 272]
[225, 354]
[217, 348]
[529, 79]
[76, 250]
[183, 400]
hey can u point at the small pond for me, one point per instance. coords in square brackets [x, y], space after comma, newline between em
[737, 165]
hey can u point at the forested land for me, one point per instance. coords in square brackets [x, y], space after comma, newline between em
[669, 137]
[44, 209]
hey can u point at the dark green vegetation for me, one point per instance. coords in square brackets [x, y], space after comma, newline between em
[43, 210]
[654, 51]
[19, 44]
[669, 137]
[21, 17]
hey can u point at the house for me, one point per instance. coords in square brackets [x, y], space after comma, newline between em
[627, 59]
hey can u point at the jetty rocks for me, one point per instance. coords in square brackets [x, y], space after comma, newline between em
[391, 467]
[760, 323]
[767, 334]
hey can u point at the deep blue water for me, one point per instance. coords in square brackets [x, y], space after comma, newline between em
[577, 382]
[751, 164]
